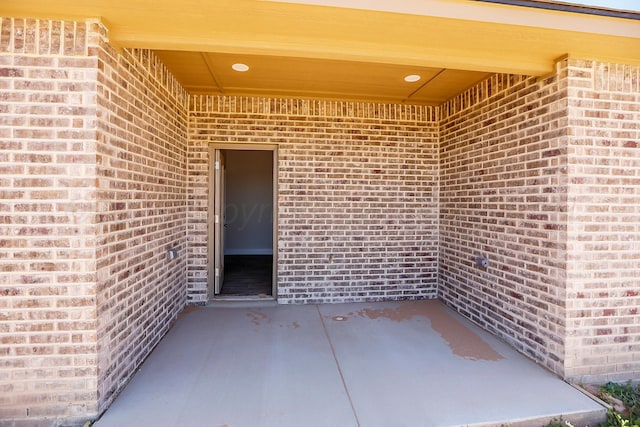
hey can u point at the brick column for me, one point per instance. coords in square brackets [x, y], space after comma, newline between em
[603, 277]
[92, 195]
[48, 356]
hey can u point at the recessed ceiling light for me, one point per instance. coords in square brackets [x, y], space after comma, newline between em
[412, 78]
[240, 67]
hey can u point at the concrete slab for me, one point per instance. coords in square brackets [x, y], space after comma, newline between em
[369, 365]
[421, 364]
[237, 367]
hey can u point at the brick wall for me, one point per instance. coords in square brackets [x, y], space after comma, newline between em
[357, 211]
[603, 278]
[104, 166]
[542, 177]
[48, 347]
[93, 193]
[503, 178]
[141, 192]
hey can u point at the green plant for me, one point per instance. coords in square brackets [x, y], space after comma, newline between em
[558, 422]
[629, 395]
[614, 419]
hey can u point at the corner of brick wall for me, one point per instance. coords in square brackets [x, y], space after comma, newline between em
[142, 202]
[503, 160]
[93, 193]
[48, 351]
[603, 277]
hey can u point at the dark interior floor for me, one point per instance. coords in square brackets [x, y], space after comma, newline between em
[247, 275]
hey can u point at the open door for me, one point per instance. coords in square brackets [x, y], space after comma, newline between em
[218, 219]
[242, 221]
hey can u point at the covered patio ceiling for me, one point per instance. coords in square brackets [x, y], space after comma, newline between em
[324, 49]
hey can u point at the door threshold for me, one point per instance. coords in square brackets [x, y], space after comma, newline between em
[242, 301]
[232, 297]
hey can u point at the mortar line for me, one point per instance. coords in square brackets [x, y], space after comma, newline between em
[335, 358]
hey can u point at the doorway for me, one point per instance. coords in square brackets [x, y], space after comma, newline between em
[242, 222]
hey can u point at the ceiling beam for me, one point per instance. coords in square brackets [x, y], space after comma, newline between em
[210, 68]
[312, 31]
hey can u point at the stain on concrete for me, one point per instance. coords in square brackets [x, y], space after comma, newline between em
[294, 325]
[258, 317]
[188, 310]
[461, 340]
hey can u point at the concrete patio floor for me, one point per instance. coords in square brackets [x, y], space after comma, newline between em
[369, 364]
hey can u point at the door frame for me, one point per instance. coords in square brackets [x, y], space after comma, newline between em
[212, 193]
[218, 225]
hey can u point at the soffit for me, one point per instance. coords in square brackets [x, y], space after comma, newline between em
[211, 73]
[328, 50]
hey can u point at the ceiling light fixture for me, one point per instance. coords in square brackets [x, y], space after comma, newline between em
[240, 67]
[412, 78]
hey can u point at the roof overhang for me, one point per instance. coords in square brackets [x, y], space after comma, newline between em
[467, 35]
